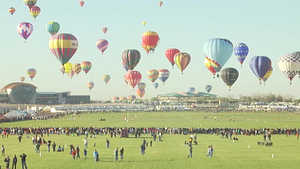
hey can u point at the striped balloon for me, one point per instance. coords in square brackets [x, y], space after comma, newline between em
[142, 86]
[260, 65]
[170, 53]
[11, 10]
[210, 65]
[71, 74]
[31, 73]
[131, 58]
[182, 60]
[106, 78]
[35, 11]
[52, 27]
[86, 66]
[102, 45]
[152, 75]
[163, 75]
[62, 69]
[133, 77]
[25, 29]
[63, 46]
[131, 97]
[30, 3]
[90, 84]
[140, 93]
[241, 51]
[150, 39]
[77, 68]
[124, 66]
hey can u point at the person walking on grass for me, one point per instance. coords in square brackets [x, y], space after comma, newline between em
[211, 150]
[96, 156]
[84, 153]
[3, 150]
[107, 143]
[77, 152]
[7, 161]
[23, 159]
[116, 154]
[73, 154]
[208, 152]
[122, 153]
[190, 151]
[15, 160]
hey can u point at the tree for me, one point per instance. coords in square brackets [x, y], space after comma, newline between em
[279, 98]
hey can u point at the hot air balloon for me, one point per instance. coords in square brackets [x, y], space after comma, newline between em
[260, 65]
[102, 45]
[145, 48]
[140, 93]
[208, 88]
[106, 78]
[160, 3]
[210, 66]
[31, 73]
[156, 85]
[144, 23]
[35, 11]
[163, 75]
[63, 46]
[25, 29]
[90, 84]
[142, 86]
[81, 3]
[22, 79]
[218, 50]
[68, 67]
[241, 51]
[170, 53]
[152, 75]
[116, 98]
[30, 3]
[71, 74]
[133, 77]
[131, 58]
[124, 66]
[191, 89]
[229, 76]
[289, 64]
[104, 30]
[52, 27]
[182, 60]
[11, 10]
[150, 39]
[125, 80]
[268, 74]
[62, 69]
[76, 68]
[123, 98]
[86, 66]
[131, 97]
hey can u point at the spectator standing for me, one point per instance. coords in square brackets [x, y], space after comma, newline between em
[116, 154]
[122, 153]
[190, 151]
[96, 156]
[53, 146]
[23, 159]
[3, 150]
[85, 153]
[7, 161]
[15, 160]
[77, 152]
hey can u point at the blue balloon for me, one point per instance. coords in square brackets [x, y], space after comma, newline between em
[241, 51]
[191, 89]
[219, 50]
[208, 88]
[156, 85]
[260, 65]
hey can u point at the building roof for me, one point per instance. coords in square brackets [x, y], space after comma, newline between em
[15, 113]
[46, 92]
[13, 85]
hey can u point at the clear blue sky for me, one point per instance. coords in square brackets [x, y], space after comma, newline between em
[268, 27]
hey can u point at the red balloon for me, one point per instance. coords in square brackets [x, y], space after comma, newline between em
[133, 77]
[170, 53]
[140, 93]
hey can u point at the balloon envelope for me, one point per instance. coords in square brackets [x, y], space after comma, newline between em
[63, 46]
[182, 60]
[90, 84]
[11, 10]
[22, 79]
[104, 29]
[31, 73]
[53, 27]
[260, 65]
[191, 89]
[229, 76]
[102, 45]
[35, 11]
[170, 53]
[25, 29]
[163, 75]
[289, 64]
[208, 88]
[241, 51]
[131, 58]
[68, 67]
[142, 86]
[30, 3]
[106, 78]
[133, 77]
[156, 85]
[150, 40]
[140, 93]
[152, 75]
[86, 66]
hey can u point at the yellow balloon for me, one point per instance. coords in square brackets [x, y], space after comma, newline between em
[143, 23]
[68, 67]
[268, 74]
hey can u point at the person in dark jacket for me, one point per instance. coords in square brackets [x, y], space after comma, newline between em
[23, 158]
[15, 160]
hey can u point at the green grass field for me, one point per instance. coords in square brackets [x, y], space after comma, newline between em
[170, 153]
